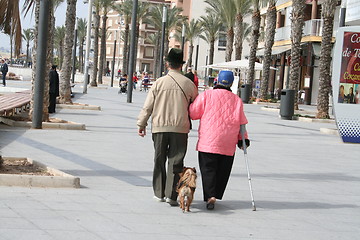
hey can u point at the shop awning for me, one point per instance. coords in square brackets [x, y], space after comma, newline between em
[275, 50]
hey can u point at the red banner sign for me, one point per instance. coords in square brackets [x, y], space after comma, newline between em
[350, 66]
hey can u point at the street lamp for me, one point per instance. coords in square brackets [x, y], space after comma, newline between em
[197, 54]
[163, 40]
[41, 63]
[87, 52]
[183, 37]
[342, 14]
[113, 61]
[132, 51]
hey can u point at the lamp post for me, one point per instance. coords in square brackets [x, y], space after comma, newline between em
[163, 40]
[87, 52]
[41, 64]
[197, 54]
[74, 51]
[342, 13]
[183, 37]
[113, 62]
[132, 51]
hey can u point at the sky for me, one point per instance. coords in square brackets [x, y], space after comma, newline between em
[60, 15]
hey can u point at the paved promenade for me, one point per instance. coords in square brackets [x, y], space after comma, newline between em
[306, 184]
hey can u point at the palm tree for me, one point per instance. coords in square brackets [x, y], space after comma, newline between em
[28, 36]
[255, 34]
[173, 20]
[227, 11]
[297, 24]
[81, 37]
[10, 22]
[154, 39]
[269, 42]
[211, 25]
[125, 10]
[243, 8]
[59, 37]
[106, 6]
[142, 14]
[65, 93]
[96, 42]
[327, 14]
[193, 30]
[45, 115]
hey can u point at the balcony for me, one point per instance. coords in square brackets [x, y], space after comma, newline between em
[311, 28]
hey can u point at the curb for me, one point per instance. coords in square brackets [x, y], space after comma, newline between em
[301, 119]
[270, 109]
[59, 180]
[65, 126]
[78, 106]
[330, 131]
[305, 119]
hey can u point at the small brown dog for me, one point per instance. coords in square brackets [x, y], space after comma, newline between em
[186, 188]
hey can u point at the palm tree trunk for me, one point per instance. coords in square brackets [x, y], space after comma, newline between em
[125, 49]
[269, 42]
[255, 34]
[61, 54]
[239, 32]
[34, 56]
[45, 116]
[211, 55]
[65, 93]
[27, 52]
[328, 11]
[11, 47]
[102, 49]
[157, 57]
[96, 49]
[297, 24]
[189, 61]
[49, 61]
[229, 44]
[81, 49]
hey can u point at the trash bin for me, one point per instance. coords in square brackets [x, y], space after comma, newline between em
[287, 104]
[245, 93]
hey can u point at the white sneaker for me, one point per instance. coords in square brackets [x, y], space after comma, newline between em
[172, 202]
[159, 199]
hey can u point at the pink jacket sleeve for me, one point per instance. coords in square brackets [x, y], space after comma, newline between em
[197, 108]
[243, 121]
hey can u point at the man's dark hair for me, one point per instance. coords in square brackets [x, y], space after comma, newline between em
[174, 65]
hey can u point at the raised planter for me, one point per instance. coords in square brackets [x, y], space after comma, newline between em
[58, 179]
[78, 106]
[66, 126]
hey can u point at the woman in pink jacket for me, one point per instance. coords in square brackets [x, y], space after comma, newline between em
[221, 113]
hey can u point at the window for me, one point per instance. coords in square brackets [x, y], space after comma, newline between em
[145, 67]
[222, 40]
[149, 52]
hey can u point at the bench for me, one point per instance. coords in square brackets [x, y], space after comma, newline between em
[13, 103]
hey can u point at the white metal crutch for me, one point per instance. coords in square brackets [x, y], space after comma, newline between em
[242, 132]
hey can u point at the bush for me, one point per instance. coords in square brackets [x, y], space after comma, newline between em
[1, 161]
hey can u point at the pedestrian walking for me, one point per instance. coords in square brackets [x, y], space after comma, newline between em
[53, 88]
[4, 71]
[220, 113]
[135, 80]
[167, 103]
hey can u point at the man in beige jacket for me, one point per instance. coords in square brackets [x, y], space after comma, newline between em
[167, 103]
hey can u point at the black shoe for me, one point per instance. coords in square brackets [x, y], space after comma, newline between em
[210, 206]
